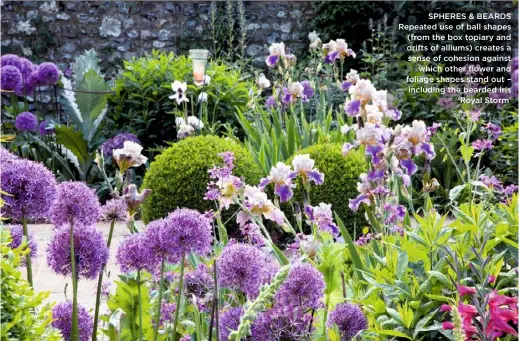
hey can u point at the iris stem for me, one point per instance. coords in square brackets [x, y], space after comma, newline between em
[140, 303]
[74, 336]
[179, 297]
[28, 256]
[159, 303]
[100, 284]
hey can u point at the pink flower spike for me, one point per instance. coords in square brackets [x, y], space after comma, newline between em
[447, 325]
[445, 307]
[464, 290]
[491, 279]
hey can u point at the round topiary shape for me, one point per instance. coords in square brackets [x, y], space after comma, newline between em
[341, 174]
[178, 177]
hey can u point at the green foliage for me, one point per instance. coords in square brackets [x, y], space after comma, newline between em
[178, 177]
[123, 323]
[23, 315]
[504, 159]
[341, 175]
[141, 103]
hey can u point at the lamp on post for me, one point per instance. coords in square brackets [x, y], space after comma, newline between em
[199, 58]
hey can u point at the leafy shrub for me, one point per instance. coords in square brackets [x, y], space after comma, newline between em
[178, 177]
[142, 105]
[340, 181]
[23, 315]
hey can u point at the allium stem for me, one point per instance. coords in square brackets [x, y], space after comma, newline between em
[343, 285]
[159, 303]
[74, 335]
[28, 256]
[100, 283]
[215, 280]
[179, 297]
[140, 303]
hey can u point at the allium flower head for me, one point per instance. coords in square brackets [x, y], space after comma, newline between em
[114, 209]
[11, 78]
[45, 129]
[229, 321]
[75, 202]
[16, 240]
[303, 287]
[349, 318]
[129, 156]
[190, 231]
[279, 323]
[241, 267]
[199, 281]
[89, 248]
[26, 121]
[62, 320]
[32, 188]
[48, 73]
[11, 60]
[6, 156]
[133, 254]
[117, 142]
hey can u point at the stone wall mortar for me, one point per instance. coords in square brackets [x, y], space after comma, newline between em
[59, 30]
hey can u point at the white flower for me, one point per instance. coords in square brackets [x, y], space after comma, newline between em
[279, 173]
[263, 82]
[25, 27]
[369, 135]
[373, 114]
[202, 98]
[341, 46]
[316, 44]
[330, 46]
[303, 163]
[363, 90]
[417, 133]
[277, 49]
[185, 130]
[296, 89]
[352, 77]
[206, 81]
[313, 36]
[180, 89]
[380, 99]
[258, 203]
[195, 122]
[129, 156]
[345, 129]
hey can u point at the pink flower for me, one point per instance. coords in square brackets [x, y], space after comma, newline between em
[491, 279]
[445, 307]
[464, 290]
[447, 325]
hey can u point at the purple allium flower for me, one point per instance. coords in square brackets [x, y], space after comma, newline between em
[26, 121]
[291, 324]
[6, 156]
[252, 233]
[308, 91]
[241, 267]
[349, 318]
[75, 202]
[90, 251]
[11, 60]
[270, 102]
[11, 78]
[229, 321]
[62, 320]
[167, 312]
[303, 287]
[48, 73]
[133, 254]
[181, 232]
[106, 287]
[31, 188]
[199, 281]
[114, 209]
[45, 129]
[16, 241]
[117, 142]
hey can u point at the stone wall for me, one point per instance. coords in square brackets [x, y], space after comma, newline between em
[59, 30]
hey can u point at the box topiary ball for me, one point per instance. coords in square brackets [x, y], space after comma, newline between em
[341, 174]
[178, 177]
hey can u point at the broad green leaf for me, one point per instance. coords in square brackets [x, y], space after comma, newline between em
[401, 266]
[352, 249]
[393, 333]
[74, 141]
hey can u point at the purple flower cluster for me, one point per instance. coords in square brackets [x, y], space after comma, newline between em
[281, 176]
[183, 231]
[292, 324]
[90, 251]
[30, 186]
[349, 319]
[515, 76]
[303, 288]
[28, 75]
[6, 155]
[45, 128]
[26, 121]
[241, 267]
[298, 90]
[229, 320]
[62, 320]
[16, 241]
[167, 312]
[117, 142]
[223, 186]
[322, 216]
[76, 203]
[336, 50]
[493, 183]
[199, 281]
[133, 254]
[114, 209]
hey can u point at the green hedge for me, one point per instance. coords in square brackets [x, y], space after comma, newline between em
[178, 177]
[341, 175]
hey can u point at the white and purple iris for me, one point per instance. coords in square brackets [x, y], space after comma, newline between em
[322, 216]
[277, 51]
[304, 166]
[337, 50]
[298, 90]
[281, 176]
[257, 204]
